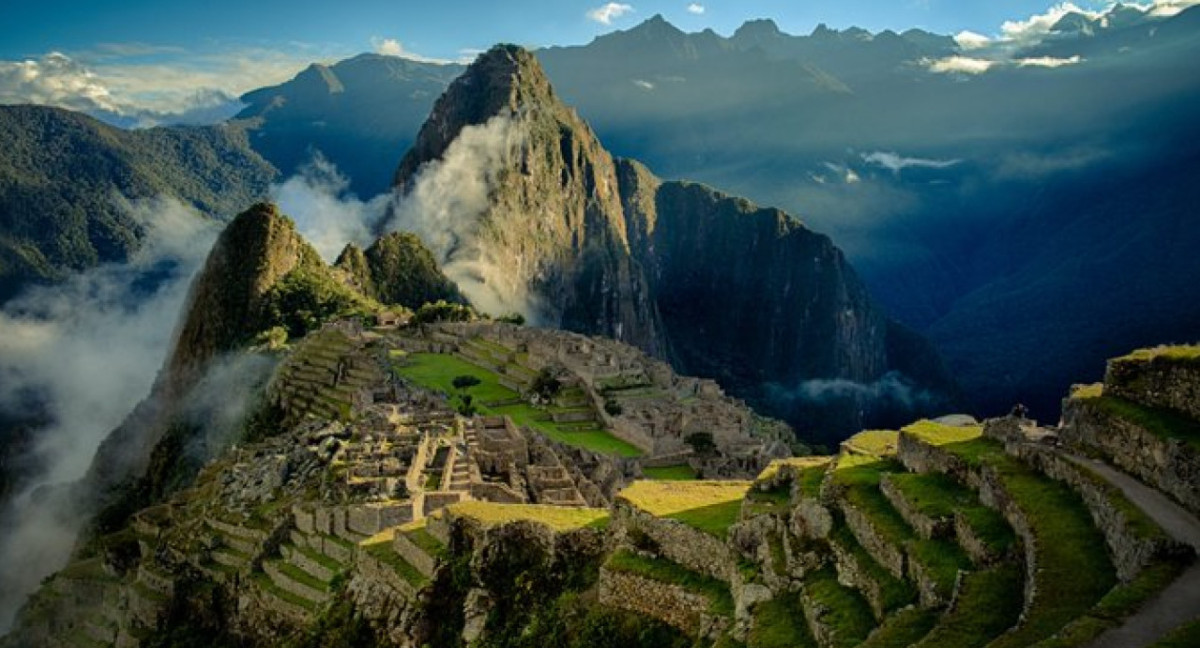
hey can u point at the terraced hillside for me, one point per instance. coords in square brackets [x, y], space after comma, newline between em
[412, 525]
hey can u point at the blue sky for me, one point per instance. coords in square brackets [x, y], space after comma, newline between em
[140, 62]
[442, 29]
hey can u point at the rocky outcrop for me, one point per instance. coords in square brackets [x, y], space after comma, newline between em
[403, 271]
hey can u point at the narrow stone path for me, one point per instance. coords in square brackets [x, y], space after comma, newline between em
[1179, 602]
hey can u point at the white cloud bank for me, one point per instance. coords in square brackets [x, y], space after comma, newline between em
[317, 200]
[609, 12]
[696, 8]
[138, 86]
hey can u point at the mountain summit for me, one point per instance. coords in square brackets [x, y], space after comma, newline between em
[577, 240]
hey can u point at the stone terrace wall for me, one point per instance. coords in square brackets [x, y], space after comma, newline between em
[678, 542]
[671, 604]
[1130, 552]
[1170, 465]
[1156, 382]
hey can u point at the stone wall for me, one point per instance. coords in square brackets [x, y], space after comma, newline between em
[671, 604]
[1156, 382]
[283, 582]
[413, 554]
[1129, 550]
[925, 525]
[1169, 465]
[371, 568]
[889, 556]
[678, 542]
[369, 519]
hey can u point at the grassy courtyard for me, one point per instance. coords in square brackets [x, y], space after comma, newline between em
[437, 371]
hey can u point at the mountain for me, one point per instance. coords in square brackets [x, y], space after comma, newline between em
[64, 179]
[357, 113]
[720, 287]
[398, 269]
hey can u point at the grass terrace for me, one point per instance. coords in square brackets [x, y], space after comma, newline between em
[894, 592]
[846, 612]
[559, 518]
[1074, 571]
[939, 496]
[902, 629]
[1183, 352]
[709, 506]
[877, 443]
[682, 472]
[665, 571]
[1160, 422]
[437, 371]
[989, 604]
[383, 552]
[779, 623]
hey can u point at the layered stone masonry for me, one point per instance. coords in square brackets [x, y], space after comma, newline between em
[1170, 465]
[288, 584]
[414, 555]
[672, 604]
[1156, 382]
[890, 556]
[926, 525]
[678, 542]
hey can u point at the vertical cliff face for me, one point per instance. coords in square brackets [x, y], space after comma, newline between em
[550, 237]
[748, 294]
[718, 286]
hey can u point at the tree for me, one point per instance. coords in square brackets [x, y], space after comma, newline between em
[546, 384]
[701, 442]
[464, 382]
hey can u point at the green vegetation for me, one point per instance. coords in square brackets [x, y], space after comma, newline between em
[682, 472]
[877, 443]
[1160, 422]
[942, 561]
[665, 571]
[776, 501]
[421, 537]
[779, 623]
[1184, 352]
[939, 496]
[309, 296]
[264, 582]
[846, 612]
[1185, 636]
[894, 592]
[403, 271]
[902, 629]
[860, 476]
[383, 552]
[438, 371]
[1120, 602]
[714, 519]
[1074, 571]
[443, 311]
[300, 576]
[989, 604]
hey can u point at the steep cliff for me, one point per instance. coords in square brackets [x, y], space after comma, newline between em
[551, 227]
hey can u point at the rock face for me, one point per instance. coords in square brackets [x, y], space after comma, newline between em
[718, 286]
[552, 223]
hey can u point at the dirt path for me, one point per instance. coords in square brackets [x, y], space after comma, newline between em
[1179, 602]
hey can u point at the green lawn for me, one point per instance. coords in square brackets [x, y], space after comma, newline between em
[682, 472]
[437, 371]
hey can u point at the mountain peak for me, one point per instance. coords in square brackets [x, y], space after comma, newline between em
[500, 81]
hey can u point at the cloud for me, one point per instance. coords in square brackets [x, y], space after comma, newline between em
[643, 84]
[895, 162]
[446, 205]
[135, 85]
[88, 350]
[1026, 165]
[969, 40]
[1037, 26]
[1166, 8]
[696, 8]
[1049, 61]
[892, 387]
[607, 13]
[959, 65]
[393, 47]
[316, 198]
